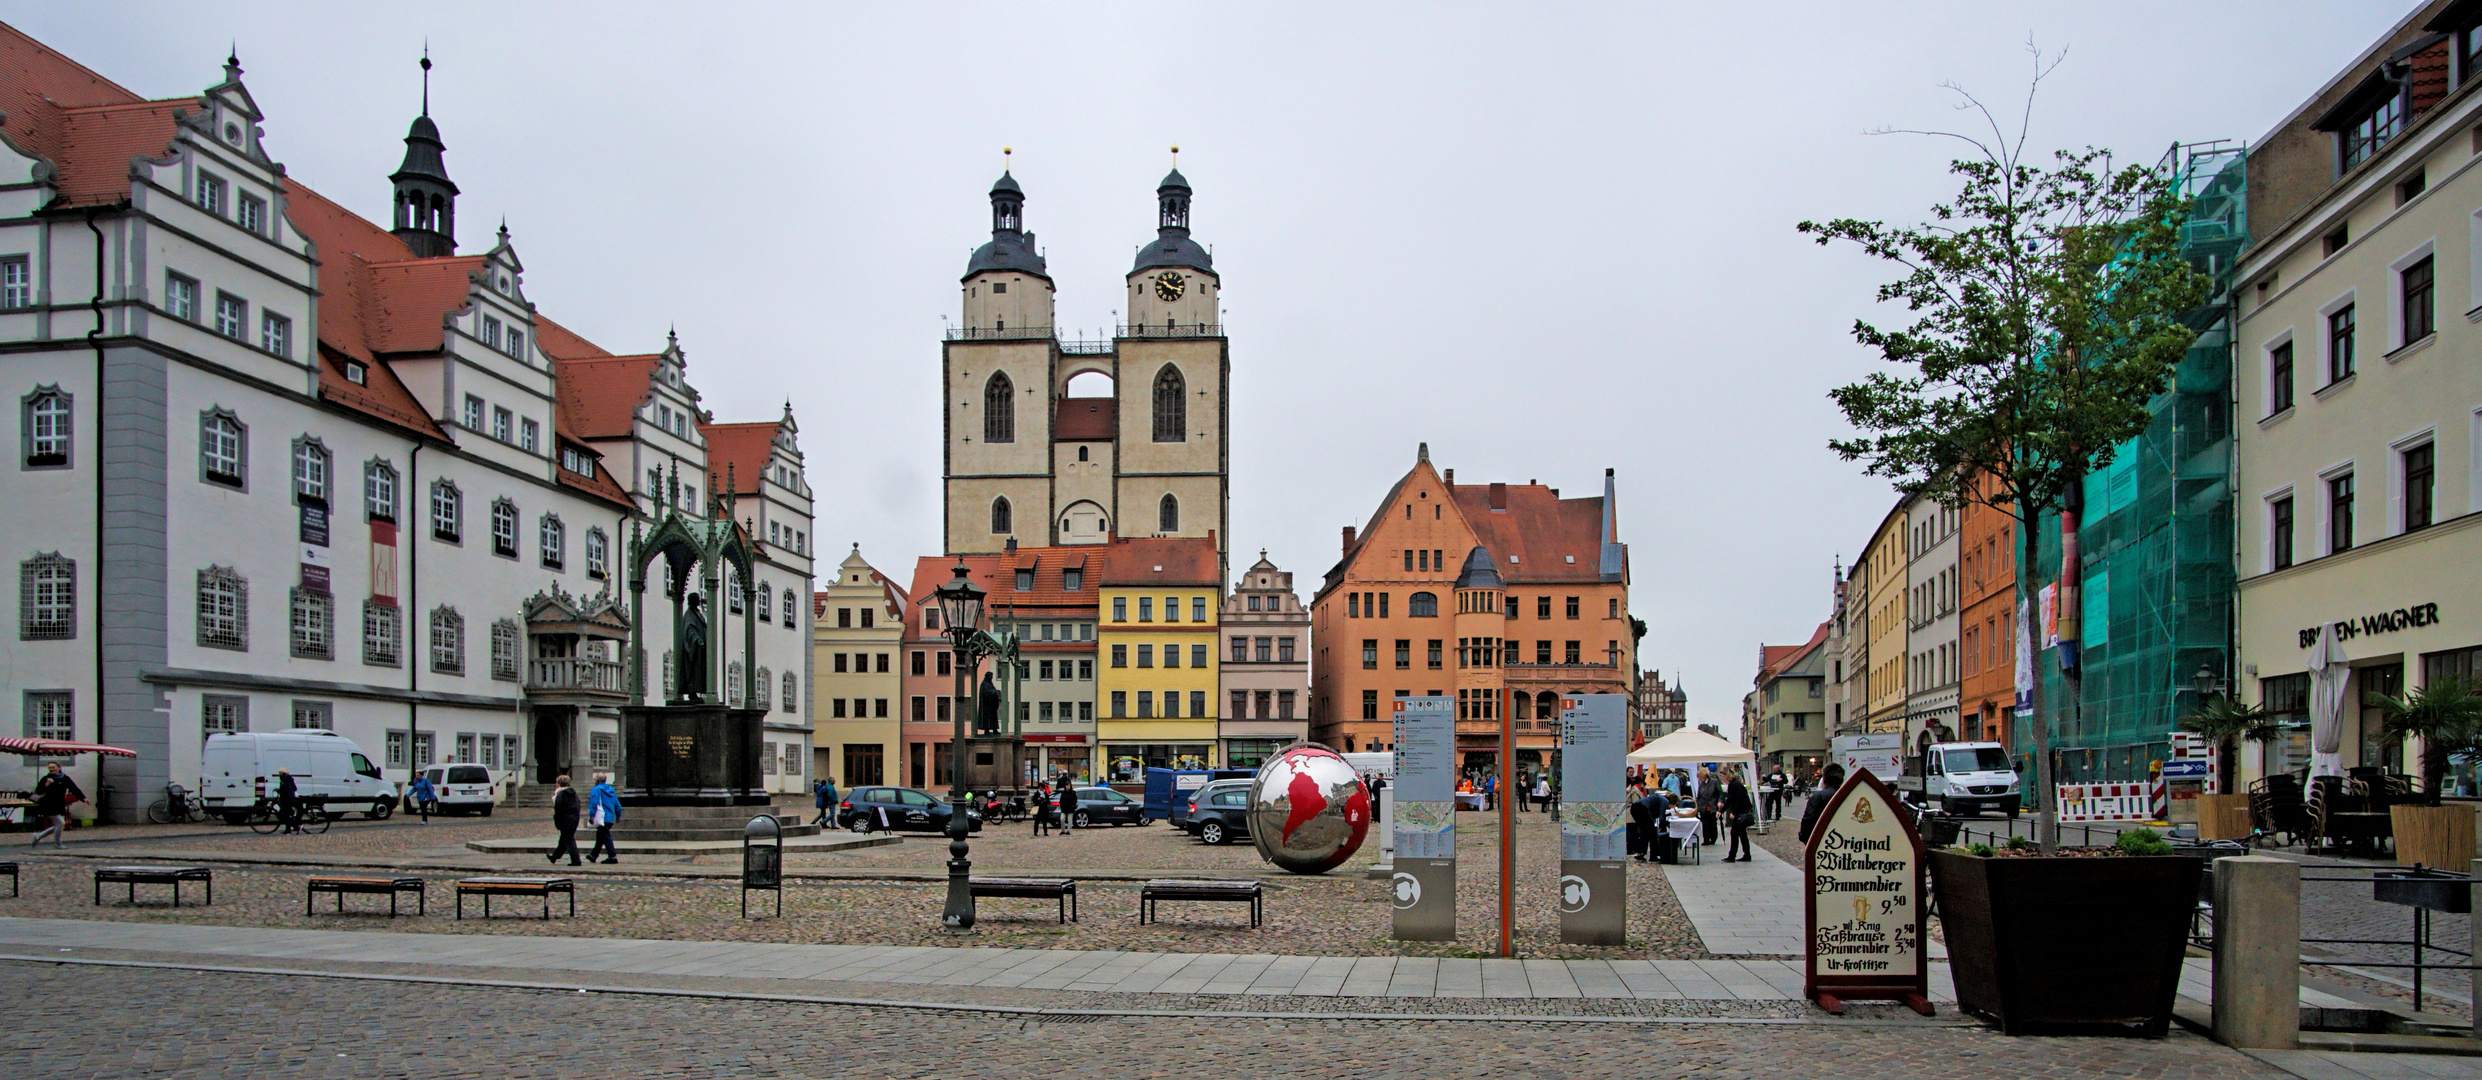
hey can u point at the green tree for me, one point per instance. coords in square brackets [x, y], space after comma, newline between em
[2446, 715]
[2046, 305]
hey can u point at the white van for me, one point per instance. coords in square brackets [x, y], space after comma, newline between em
[1962, 778]
[239, 770]
[461, 789]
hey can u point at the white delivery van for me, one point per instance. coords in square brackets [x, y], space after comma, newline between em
[238, 770]
[1962, 778]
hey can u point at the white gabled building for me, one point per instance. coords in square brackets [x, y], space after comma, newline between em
[282, 467]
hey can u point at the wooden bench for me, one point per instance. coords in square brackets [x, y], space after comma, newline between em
[488, 887]
[372, 886]
[10, 869]
[1063, 890]
[1249, 892]
[134, 876]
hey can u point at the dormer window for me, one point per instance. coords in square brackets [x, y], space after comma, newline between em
[253, 215]
[357, 373]
[211, 193]
[491, 331]
[2372, 130]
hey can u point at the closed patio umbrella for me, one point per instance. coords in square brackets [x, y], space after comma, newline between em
[2328, 671]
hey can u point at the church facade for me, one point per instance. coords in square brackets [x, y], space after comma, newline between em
[1026, 461]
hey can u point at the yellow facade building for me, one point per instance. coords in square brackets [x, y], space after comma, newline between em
[1885, 559]
[856, 675]
[1156, 646]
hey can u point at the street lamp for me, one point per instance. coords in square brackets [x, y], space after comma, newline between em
[2206, 684]
[960, 603]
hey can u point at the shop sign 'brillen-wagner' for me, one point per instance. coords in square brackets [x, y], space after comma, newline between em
[1865, 901]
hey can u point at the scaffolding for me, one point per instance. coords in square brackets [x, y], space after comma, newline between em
[2155, 544]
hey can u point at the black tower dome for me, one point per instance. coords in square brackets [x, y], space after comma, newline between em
[1011, 246]
[426, 200]
[1172, 246]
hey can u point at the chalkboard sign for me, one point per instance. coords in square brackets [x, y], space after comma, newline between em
[1866, 905]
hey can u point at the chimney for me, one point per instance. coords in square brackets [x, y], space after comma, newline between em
[1499, 496]
[1012, 545]
[1450, 478]
[1348, 539]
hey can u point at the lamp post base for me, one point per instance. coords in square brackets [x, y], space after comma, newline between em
[960, 910]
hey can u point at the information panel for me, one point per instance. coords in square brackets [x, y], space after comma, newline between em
[1594, 820]
[1423, 889]
[1865, 909]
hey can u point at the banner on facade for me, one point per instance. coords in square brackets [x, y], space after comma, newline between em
[2025, 662]
[1865, 910]
[1594, 819]
[1423, 888]
[383, 562]
[314, 525]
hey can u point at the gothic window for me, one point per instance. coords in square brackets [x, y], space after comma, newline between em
[223, 449]
[597, 554]
[1422, 605]
[737, 590]
[766, 607]
[223, 609]
[44, 418]
[1171, 406]
[310, 471]
[447, 641]
[447, 512]
[379, 490]
[999, 410]
[47, 595]
[792, 693]
[732, 686]
[1002, 517]
[1168, 515]
[504, 650]
[314, 624]
[790, 620]
[504, 528]
[766, 681]
[380, 634]
[554, 538]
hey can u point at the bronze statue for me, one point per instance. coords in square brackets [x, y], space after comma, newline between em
[690, 650]
[987, 707]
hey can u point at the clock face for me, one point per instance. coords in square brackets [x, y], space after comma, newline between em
[1169, 285]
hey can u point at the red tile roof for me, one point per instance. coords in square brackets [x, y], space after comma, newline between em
[380, 396]
[600, 396]
[996, 576]
[737, 454]
[1084, 419]
[1776, 659]
[89, 126]
[1539, 528]
[561, 343]
[407, 308]
[1162, 560]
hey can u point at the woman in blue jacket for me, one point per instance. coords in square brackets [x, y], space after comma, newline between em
[603, 811]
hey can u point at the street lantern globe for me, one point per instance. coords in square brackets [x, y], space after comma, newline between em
[2204, 680]
[960, 602]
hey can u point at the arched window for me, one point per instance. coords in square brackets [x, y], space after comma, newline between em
[379, 490]
[1423, 605]
[504, 528]
[1524, 706]
[447, 512]
[1546, 706]
[447, 641]
[1002, 520]
[1168, 515]
[999, 410]
[46, 424]
[732, 686]
[765, 683]
[597, 553]
[766, 610]
[1171, 406]
[554, 539]
[790, 620]
[310, 471]
[223, 609]
[47, 593]
[792, 693]
[667, 674]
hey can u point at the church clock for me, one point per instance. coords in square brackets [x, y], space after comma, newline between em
[1169, 285]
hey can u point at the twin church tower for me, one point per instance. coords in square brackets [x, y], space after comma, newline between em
[1023, 460]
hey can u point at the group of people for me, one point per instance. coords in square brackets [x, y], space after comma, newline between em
[600, 808]
[1055, 806]
[1721, 806]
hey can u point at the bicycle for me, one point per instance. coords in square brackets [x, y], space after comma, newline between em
[267, 817]
[177, 805]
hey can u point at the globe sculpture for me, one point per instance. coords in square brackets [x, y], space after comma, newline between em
[1308, 810]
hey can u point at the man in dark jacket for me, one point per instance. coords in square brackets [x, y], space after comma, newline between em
[564, 817]
[288, 801]
[1828, 782]
[1068, 807]
[54, 793]
[1738, 810]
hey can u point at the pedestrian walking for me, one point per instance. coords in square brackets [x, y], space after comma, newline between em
[564, 818]
[823, 797]
[422, 796]
[1542, 790]
[1739, 814]
[54, 794]
[1068, 808]
[1828, 781]
[1491, 792]
[603, 810]
[1045, 818]
[288, 801]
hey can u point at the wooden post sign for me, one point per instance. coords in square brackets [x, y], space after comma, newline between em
[1866, 908]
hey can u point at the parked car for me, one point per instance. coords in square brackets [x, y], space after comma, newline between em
[460, 789]
[1221, 813]
[1104, 806]
[239, 771]
[870, 809]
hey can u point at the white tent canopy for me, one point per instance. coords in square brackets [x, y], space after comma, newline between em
[1689, 746]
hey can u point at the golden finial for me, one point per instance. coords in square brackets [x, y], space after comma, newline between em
[1004, 157]
[1176, 155]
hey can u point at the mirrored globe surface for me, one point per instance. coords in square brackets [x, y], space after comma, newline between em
[1308, 810]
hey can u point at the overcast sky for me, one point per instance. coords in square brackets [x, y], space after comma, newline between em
[1545, 239]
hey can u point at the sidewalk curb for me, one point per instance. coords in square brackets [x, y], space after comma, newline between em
[1031, 1014]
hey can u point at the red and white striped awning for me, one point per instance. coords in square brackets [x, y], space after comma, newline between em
[59, 748]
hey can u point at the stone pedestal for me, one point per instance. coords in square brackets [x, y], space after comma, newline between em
[2258, 952]
[692, 755]
[994, 762]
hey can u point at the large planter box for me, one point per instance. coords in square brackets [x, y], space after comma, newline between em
[2067, 946]
[2223, 817]
[2440, 837]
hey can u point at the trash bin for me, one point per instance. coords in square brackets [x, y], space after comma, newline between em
[762, 860]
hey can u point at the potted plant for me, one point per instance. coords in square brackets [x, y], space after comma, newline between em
[2084, 940]
[2226, 722]
[2447, 716]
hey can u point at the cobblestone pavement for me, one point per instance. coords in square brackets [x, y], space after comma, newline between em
[1338, 914]
[225, 1024]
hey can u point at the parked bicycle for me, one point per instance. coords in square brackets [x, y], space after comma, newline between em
[177, 805]
[267, 816]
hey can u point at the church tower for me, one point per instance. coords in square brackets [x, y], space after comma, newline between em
[1026, 462]
[426, 200]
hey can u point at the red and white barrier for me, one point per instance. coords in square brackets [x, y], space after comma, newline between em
[2106, 802]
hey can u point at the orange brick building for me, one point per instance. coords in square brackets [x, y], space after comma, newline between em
[1987, 571]
[1471, 590]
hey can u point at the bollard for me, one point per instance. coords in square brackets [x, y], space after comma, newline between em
[2258, 952]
